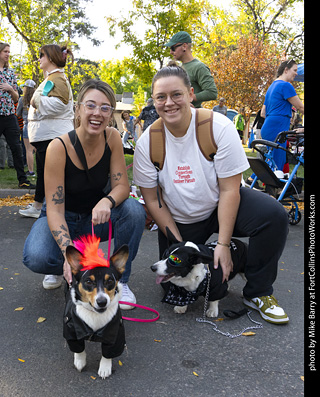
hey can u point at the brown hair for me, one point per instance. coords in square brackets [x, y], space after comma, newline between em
[2, 47]
[172, 69]
[27, 95]
[56, 54]
[284, 65]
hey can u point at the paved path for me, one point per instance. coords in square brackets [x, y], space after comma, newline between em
[175, 356]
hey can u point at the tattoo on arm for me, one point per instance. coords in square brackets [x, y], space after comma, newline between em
[117, 176]
[62, 237]
[58, 196]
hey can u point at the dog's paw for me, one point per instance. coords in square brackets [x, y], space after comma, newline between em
[180, 309]
[213, 310]
[105, 367]
[80, 360]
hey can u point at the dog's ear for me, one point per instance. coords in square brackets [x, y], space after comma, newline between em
[202, 258]
[119, 258]
[170, 237]
[74, 257]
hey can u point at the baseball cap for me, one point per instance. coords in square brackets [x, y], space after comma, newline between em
[180, 37]
[29, 83]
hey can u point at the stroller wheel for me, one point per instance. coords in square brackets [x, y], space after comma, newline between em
[294, 218]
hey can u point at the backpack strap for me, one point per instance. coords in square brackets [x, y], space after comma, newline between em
[204, 133]
[157, 143]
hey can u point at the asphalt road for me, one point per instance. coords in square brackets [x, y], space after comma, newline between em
[175, 356]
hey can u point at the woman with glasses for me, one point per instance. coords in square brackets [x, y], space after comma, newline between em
[277, 108]
[50, 115]
[196, 197]
[81, 192]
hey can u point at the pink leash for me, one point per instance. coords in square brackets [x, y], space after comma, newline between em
[139, 320]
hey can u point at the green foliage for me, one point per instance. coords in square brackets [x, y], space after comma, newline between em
[40, 22]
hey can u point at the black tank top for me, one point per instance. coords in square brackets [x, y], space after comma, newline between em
[81, 195]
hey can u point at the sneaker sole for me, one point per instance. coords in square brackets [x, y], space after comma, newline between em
[264, 316]
[51, 286]
[30, 215]
[126, 307]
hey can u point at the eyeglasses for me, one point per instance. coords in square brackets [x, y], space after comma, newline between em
[176, 97]
[91, 107]
[174, 47]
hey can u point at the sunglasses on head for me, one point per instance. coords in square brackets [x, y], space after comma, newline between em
[174, 47]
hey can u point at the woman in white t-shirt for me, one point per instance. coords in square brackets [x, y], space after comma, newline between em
[200, 197]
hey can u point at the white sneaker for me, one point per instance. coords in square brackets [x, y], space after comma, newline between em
[51, 281]
[127, 296]
[30, 212]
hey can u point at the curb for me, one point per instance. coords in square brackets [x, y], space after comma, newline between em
[4, 193]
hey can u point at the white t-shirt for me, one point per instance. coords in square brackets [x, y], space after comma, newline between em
[188, 181]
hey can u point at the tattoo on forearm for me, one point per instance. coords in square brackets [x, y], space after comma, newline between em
[117, 176]
[62, 237]
[58, 196]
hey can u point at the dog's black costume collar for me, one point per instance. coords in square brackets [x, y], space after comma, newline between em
[75, 331]
[179, 296]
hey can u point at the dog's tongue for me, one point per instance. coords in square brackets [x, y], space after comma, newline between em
[159, 279]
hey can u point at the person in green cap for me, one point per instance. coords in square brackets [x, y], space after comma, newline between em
[200, 76]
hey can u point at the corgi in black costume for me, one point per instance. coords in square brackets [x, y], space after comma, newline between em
[92, 304]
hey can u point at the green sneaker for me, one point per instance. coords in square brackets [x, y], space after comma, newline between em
[268, 308]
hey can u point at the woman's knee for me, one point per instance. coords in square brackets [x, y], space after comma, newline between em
[133, 209]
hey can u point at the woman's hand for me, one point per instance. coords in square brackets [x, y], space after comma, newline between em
[101, 212]
[67, 272]
[222, 256]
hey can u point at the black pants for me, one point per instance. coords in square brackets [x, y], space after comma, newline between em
[9, 127]
[264, 221]
[40, 161]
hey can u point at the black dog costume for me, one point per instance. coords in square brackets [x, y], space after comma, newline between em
[179, 296]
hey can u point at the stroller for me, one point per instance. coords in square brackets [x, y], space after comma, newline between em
[285, 190]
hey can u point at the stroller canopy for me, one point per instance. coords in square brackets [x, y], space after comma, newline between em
[300, 75]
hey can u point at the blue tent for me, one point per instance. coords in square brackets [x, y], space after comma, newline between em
[300, 76]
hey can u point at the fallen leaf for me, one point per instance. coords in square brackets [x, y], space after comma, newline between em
[157, 340]
[249, 333]
[18, 309]
[17, 201]
[120, 363]
[1, 288]
[17, 274]
[22, 361]
[302, 378]
[93, 377]
[219, 319]
[41, 319]
[195, 374]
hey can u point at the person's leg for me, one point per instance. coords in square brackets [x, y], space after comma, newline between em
[41, 253]
[40, 161]
[265, 222]
[128, 222]
[11, 132]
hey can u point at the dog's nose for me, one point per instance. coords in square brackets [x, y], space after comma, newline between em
[153, 268]
[102, 301]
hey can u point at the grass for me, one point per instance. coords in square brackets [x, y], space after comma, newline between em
[8, 176]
